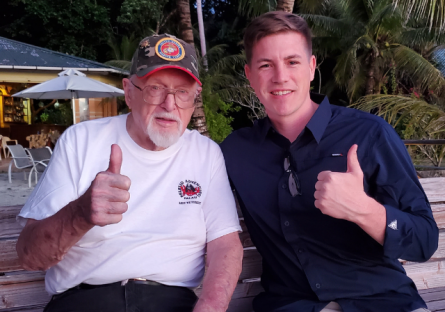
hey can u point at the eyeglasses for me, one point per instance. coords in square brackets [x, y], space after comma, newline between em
[293, 181]
[156, 95]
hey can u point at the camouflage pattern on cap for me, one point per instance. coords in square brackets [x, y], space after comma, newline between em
[164, 51]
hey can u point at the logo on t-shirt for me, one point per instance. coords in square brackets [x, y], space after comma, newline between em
[189, 190]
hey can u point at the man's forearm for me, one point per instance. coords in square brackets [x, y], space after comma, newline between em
[43, 243]
[372, 220]
[224, 263]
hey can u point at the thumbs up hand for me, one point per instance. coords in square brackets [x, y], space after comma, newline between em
[341, 194]
[106, 199]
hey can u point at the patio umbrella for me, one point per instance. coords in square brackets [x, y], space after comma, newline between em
[71, 84]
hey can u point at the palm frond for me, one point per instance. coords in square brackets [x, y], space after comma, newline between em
[253, 8]
[325, 23]
[125, 65]
[419, 69]
[313, 6]
[431, 10]
[422, 118]
[419, 37]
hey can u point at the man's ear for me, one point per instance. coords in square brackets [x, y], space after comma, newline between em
[247, 71]
[312, 66]
[127, 90]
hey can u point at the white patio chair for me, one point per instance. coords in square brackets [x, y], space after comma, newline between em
[40, 158]
[20, 159]
[5, 145]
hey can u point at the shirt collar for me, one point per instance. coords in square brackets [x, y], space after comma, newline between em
[316, 125]
[320, 120]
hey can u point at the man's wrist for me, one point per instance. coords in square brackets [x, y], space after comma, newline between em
[77, 218]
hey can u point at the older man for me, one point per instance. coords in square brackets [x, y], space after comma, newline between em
[330, 220]
[128, 231]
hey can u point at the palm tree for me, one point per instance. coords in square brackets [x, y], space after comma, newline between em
[122, 52]
[367, 38]
[198, 120]
[285, 5]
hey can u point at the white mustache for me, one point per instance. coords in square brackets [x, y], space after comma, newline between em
[167, 115]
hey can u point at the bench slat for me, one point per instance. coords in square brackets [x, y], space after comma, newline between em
[24, 294]
[9, 260]
[425, 275]
[434, 189]
[8, 225]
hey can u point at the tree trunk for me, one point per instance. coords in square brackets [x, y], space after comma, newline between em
[198, 120]
[370, 79]
[185, 21]
[285, 5]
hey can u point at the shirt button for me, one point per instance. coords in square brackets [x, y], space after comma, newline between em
[283, 185]
[286, 223]
[318, 286]
[300, 250]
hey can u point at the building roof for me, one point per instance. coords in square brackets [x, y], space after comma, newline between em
[19, 55]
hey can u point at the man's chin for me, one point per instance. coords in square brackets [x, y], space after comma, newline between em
[163, 138]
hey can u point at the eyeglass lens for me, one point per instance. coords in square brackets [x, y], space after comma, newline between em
[157, 96]
[293, 181]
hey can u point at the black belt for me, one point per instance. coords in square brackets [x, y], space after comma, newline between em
[131, 280]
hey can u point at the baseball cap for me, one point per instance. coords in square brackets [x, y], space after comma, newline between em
[164, 51]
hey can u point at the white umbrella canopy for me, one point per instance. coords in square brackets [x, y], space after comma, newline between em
[71, 84]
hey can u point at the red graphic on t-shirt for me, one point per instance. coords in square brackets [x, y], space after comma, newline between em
[189, 190]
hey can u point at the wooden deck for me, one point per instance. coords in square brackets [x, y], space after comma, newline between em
[24, 291]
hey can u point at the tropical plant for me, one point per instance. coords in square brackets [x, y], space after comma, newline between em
[253, 8]
[226, 78]
[122, 53]
[412, 117]
[367, 37]
[431, 10]
[144, 17]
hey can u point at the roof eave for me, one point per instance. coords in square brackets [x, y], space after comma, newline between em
[106, 70]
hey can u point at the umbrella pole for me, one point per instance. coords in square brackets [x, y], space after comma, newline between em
[74, 109]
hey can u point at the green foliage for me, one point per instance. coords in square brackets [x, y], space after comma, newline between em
[217, 115]
[142, 16]
[60, 115]
[75, 27]
[44, 117]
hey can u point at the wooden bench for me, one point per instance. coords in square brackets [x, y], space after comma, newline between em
[24, 291]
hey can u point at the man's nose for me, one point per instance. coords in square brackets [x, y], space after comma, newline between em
[281, 74]
[169, 103]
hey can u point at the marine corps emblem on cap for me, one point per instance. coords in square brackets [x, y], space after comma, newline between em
[169, 49]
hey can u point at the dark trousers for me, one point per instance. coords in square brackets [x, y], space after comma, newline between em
[133, 297]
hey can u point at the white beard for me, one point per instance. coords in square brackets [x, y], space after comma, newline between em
[162, 138]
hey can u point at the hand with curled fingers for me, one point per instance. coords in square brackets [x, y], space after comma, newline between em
[341, 194]
[106, 199]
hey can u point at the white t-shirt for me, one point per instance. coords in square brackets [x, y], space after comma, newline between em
[180, 199]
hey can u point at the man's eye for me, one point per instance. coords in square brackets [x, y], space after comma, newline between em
[183, 91]
[293, 62]
[265, 66]
[155, 88]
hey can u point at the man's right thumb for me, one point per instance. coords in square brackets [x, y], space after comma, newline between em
[115, 159]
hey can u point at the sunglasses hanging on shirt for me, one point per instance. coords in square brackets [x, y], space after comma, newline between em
[293, 181]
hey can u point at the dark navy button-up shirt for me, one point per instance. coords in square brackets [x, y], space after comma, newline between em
[309, 258]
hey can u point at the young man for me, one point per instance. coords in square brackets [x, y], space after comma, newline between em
[128, 231]
[329, 194]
